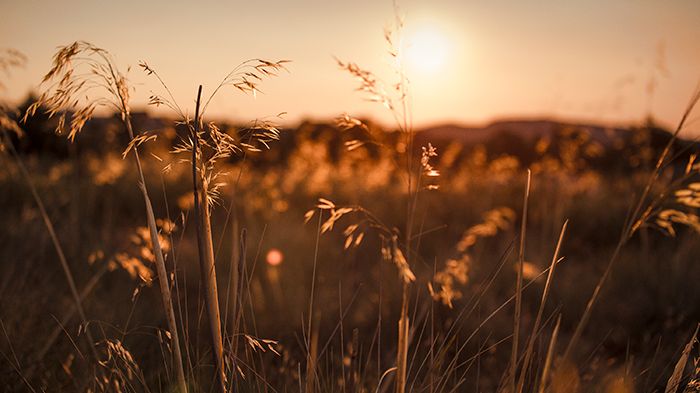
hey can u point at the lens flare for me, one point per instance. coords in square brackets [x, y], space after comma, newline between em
[274, 257]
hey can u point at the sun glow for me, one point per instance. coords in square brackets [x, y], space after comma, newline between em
[426, 51]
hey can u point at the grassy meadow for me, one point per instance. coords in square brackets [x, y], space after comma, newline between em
[173, 254]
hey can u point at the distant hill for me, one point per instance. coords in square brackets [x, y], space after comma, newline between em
[528, 130]
[604, 147]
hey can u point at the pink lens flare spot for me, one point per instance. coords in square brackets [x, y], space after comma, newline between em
[274, 257]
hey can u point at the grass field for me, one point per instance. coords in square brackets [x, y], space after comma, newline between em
[337, 256]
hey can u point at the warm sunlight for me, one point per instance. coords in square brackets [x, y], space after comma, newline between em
[426, 50]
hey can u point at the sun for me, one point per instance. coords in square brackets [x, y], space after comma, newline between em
[426, 50]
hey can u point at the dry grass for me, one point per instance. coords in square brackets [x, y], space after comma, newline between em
[67, 88]
[207, 146]
[445, 271]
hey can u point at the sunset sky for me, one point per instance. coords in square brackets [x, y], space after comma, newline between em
[573, 60]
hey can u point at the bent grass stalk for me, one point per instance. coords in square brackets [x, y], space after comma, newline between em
[160, 260]
[67, 92]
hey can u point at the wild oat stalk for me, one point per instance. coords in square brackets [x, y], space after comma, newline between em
[396, 98]
[206, 145]
[78, 70]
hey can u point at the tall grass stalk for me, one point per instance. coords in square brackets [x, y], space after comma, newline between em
[549, 359]
[163, 281]
[519, 288]
[312, 361]
[311, 334]
[402, 346]
[72, 88]
[540, 311]
[405, 125]
[206, 253]
[233, 294]
[397, 100]
[238, 293]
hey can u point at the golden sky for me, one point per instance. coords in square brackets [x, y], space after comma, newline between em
[574, 60]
